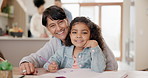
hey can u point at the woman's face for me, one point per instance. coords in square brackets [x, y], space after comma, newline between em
[58, 28]
[80, 34]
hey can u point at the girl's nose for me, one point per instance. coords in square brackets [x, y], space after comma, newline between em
[79, 35]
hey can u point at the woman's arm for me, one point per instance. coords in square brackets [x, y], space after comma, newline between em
[34, 60]
[111, 63]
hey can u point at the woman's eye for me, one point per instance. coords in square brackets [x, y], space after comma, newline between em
[51, 26]
[61, 22]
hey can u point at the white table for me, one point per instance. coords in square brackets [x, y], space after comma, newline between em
[83, 73]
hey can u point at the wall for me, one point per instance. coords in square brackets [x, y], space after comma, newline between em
[15, 49]
[141, 34]
[3, 22]
[128, 39]
[135, 25]
[126, 25]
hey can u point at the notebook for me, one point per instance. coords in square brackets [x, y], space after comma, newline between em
[84, 73]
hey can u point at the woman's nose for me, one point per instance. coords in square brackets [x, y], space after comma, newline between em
[58, 27]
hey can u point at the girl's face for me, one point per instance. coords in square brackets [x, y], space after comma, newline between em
[58, 28]
[80, 34]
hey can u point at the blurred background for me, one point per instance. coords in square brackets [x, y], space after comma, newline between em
[124, 26]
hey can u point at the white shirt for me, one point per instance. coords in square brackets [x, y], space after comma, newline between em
[36, 26]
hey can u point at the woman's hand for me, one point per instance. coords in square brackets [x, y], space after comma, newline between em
[1, 59]
[91, 44]
[27, 68]
[53, 67]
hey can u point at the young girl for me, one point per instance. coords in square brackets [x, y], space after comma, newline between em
[84, 45]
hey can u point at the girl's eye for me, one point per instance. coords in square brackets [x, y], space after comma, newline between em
[84, 32]
[73, 32]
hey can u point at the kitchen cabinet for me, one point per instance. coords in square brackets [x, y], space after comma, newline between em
[14, 49]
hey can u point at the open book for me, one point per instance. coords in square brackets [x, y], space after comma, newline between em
[84, 73]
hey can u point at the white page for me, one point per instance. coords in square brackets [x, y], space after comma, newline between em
[84, 73]
[137, 74]
[113, 74]
[80, 73]
[72, 73]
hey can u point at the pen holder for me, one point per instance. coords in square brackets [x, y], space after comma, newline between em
[6, 74]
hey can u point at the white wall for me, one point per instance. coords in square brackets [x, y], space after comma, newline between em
[125, 26]
[138, 19]
[128, 41]
[141, 60]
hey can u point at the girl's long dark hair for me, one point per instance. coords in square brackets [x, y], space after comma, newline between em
[95, 31]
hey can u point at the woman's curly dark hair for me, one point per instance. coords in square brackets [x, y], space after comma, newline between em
[95, 31]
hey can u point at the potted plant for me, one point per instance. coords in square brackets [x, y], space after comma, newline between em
[5, 69]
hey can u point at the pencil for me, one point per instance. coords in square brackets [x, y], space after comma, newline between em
[22, 76]
[42, 58]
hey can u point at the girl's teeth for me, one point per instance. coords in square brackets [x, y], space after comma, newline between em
[79, 41]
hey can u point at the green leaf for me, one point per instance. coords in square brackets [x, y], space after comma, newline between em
[5, 65]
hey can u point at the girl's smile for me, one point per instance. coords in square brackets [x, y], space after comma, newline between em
[80, 34]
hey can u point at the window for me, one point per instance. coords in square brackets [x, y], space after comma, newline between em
[111, 27]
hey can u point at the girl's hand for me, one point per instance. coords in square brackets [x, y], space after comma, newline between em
[53, 67]
[91, 44]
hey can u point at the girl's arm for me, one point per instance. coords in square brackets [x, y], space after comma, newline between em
[55, 60]
[98, 63]
[111, 63]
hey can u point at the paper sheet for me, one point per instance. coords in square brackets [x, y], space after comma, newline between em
[113, 74]
[83, 73]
